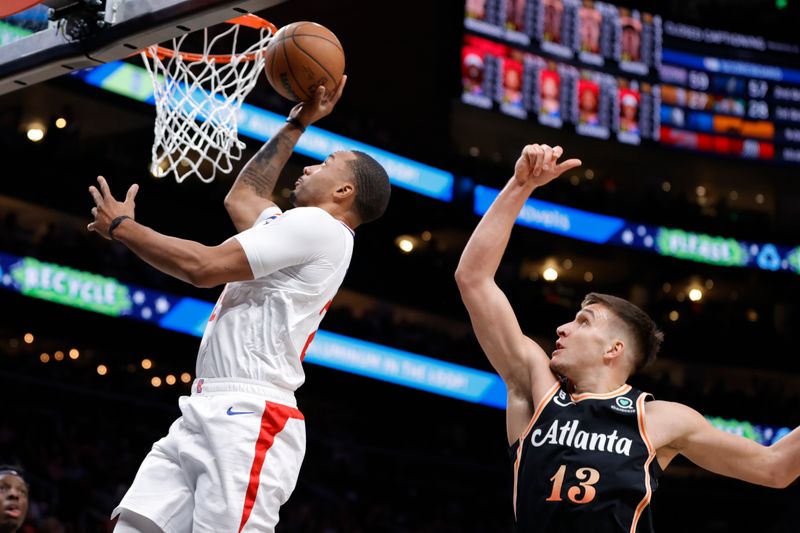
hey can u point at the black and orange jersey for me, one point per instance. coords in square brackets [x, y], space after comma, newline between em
[585, 465]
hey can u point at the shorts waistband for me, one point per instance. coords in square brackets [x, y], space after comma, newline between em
[268, 391]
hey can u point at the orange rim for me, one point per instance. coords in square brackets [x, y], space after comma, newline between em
[251, 21]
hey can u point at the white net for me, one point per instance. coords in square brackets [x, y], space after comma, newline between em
[197, 99]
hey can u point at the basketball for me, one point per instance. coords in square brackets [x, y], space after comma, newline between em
[301, 57]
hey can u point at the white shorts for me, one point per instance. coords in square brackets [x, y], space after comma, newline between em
[226, 465]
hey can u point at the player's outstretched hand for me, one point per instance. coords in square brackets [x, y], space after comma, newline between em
[107, 208]
[320, 105]
[539, 164]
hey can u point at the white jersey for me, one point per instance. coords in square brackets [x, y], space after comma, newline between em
[260, 329]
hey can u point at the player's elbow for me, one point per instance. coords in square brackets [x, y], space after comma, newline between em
[231, 203]
[198, 271]
[202, 282]
[204, 277]
[472, 286]
[779, 478]
[776, 479]
[776, 475]
[466, 279]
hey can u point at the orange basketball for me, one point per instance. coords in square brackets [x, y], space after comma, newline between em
[301, 57]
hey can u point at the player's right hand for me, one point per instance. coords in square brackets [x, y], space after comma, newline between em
[538, 164]
[319, 106]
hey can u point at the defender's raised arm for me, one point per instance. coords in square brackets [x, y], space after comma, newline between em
[521, 363]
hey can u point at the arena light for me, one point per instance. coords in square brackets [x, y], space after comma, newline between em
[170, 379]
[406, 243]
[61, 123]
[695, 295]
[59, 355]
[74, 353]
[186, 377]
[147, 364]
[102, 370]
[156, 381]
[35, 131]
[44, 358]
[28, 338]
[550, 274]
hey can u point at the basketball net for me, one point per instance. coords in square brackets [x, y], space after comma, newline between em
[198, 98]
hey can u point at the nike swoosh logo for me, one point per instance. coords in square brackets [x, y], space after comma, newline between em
[231, 412]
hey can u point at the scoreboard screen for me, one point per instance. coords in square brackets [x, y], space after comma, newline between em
[610, 72]
[731, 94]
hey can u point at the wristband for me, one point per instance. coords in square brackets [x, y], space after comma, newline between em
[114, 223]
[294, 121]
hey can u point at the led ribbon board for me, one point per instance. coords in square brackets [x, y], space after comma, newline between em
[604, 229]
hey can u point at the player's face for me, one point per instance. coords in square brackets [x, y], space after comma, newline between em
[588, 101]
[549, 88]
[318, 182]
[582, 342]
[512, 80]
[552, 22]
[590, 31]
[630, 42]
[629, 112]
[13, 502]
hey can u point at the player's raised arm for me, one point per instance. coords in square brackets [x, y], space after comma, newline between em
[521, 363]
[730, 455]
[252, 190]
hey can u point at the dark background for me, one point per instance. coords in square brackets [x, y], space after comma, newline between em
[381, 457]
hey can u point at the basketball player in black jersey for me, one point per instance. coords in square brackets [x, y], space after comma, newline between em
[588, 449]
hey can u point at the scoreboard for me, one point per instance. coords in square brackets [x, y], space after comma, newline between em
[729, 93]
[611, 72]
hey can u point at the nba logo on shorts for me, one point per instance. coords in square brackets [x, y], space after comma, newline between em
[199, 385]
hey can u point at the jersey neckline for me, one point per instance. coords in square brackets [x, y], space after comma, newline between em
[601, 396]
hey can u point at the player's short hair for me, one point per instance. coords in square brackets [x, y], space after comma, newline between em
[13, 470]
[646, 336]
[372, 187]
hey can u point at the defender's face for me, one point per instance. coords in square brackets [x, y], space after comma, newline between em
[13, 502]
[318, 182]
[582, 342]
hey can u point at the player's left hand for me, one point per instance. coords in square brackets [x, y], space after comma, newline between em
[107, 208]
[539, 164]
[320, 105]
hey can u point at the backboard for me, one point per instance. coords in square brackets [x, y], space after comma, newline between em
[61, 36]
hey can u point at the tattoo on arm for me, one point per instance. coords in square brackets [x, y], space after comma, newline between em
[262, 171]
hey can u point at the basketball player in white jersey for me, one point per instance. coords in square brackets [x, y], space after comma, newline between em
[233, 457]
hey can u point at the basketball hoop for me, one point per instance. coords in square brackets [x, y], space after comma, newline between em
[198, 97]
